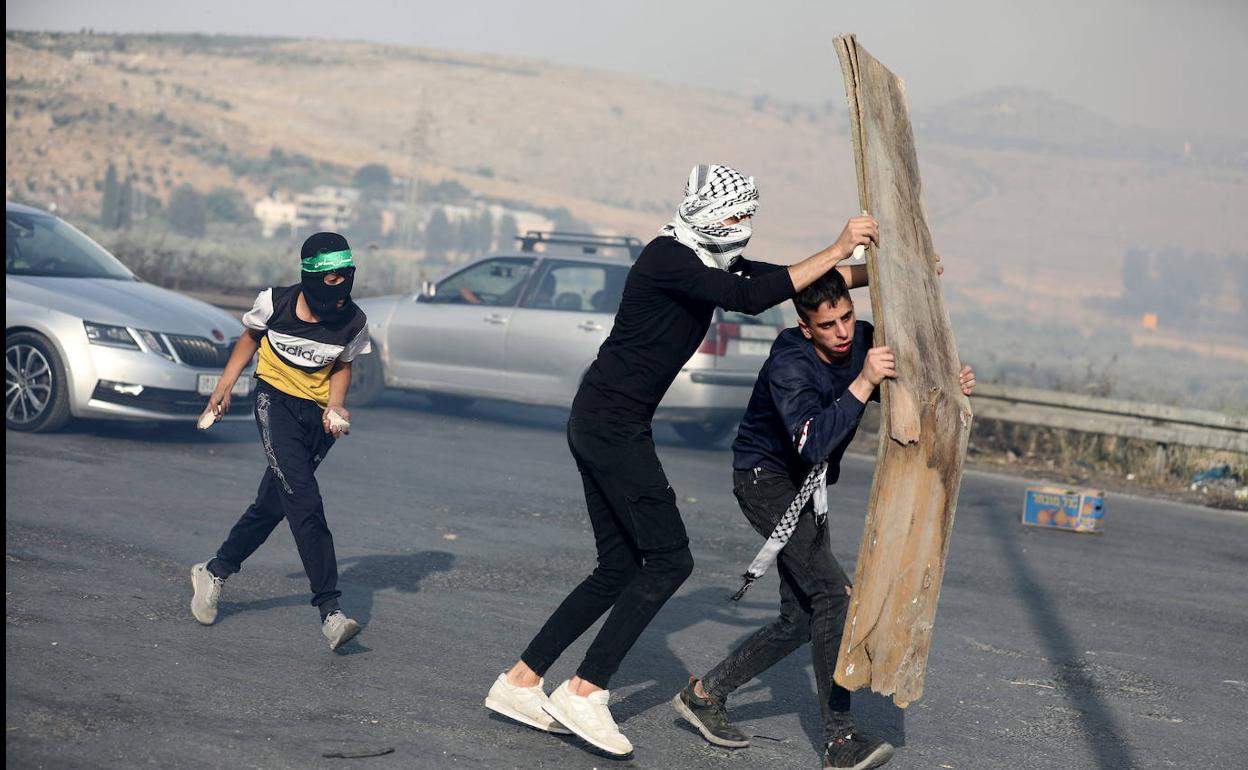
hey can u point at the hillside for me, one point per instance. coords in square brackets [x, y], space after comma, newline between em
[1033, 202]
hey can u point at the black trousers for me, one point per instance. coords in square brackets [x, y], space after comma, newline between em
[295, 442]
[643, 551]
[813, 602]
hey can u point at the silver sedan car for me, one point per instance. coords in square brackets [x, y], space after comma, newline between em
[84, 337]
[524, 327]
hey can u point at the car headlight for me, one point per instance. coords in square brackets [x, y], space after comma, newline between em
[112, 336]
[130, 339]
[155, 343]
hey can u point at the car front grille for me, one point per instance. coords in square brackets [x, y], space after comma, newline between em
[165, 401]
[199, 351]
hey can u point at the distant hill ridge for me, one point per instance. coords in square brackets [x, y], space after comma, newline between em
[1033, 120]
[1024, 191]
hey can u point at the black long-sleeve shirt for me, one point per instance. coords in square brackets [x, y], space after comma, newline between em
[668, 303]
[801, 411]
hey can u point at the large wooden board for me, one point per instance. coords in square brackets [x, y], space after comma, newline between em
[926, 420]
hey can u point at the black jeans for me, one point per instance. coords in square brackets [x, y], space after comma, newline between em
[813, 602]
[643, 551]
[295, 442]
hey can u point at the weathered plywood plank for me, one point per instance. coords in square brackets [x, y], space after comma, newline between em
[926, 420]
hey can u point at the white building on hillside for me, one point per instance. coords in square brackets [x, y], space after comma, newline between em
[274, 212]
[326, 208]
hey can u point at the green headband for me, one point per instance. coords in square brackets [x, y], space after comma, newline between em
[323, 263]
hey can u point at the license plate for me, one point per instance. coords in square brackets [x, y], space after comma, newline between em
[753, 347]
[208, 383]
[759, 333]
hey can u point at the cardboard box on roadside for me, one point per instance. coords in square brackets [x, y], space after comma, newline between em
[1073, 510]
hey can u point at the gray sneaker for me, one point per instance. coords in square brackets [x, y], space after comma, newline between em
[709, 717]
[856, 752]
[207, 593]
[338, 629]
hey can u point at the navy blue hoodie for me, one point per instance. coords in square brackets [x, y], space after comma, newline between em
[801, 401]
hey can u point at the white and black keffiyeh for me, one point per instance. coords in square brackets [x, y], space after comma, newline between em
[814, 486]
[714, 193]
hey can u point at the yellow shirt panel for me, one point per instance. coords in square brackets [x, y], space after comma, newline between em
[313, 386]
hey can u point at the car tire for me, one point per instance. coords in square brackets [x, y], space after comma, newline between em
[703, 434]
[445, 402]
[33, 369]
[368, 380]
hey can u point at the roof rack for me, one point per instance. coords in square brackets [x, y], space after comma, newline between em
[589, 242]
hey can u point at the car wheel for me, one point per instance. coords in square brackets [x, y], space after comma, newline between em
[368, 380]
[703, 433]
[445, 402]
[36, 394]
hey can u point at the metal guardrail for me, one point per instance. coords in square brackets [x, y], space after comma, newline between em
[1164, 425]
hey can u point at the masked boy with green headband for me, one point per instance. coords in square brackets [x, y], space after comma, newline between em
[306, 335]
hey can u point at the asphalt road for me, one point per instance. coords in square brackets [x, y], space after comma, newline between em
[457, 535]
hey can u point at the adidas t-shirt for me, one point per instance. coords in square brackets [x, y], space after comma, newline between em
[296, 356]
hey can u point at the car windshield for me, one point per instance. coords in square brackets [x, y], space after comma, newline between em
[37, 244]
[770, 317]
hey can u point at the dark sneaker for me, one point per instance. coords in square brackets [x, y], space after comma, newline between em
[709, 717]
[856, 752]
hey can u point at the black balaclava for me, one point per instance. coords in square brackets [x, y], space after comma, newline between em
[326, 253]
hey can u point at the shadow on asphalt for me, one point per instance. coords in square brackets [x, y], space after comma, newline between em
[361, 577]
[229, 609]
[540, 417]
[1100, 729]
[789, 683]
[571, 740]
[162, 432]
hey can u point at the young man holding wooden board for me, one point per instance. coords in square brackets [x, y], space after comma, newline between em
[807, 402]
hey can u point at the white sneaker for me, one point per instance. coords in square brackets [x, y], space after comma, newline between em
[338, 629]
[207, 593]
[589, 718]
[523, 704]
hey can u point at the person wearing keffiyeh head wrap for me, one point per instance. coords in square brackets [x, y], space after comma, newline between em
[669, 300]
[715, 195]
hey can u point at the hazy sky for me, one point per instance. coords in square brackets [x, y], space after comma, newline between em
[1163, 65]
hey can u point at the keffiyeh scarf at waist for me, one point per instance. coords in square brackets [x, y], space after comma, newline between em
[815, 487]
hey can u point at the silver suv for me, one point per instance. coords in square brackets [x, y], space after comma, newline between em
[525, 326]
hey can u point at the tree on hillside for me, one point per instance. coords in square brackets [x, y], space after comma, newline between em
[188, 213]
[565, 221]
[478, 233]
[225, 204]
[373, 181]
[507, 231]
[112, 193]
[367, 224]
[1182, 297]
[125, 203]
[439, 234]
[445, 191]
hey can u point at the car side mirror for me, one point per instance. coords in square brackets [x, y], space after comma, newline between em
[428, 290]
